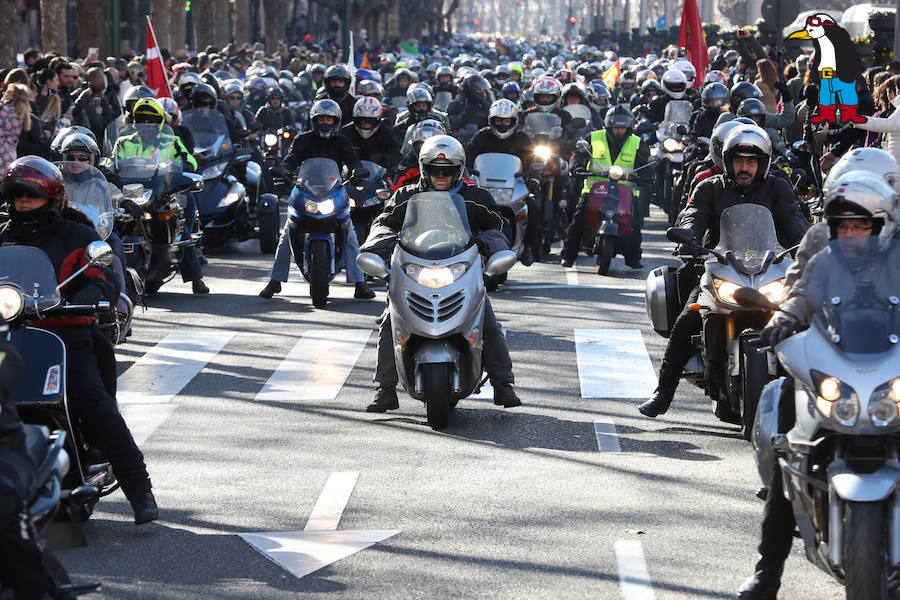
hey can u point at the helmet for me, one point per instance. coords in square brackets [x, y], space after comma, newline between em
[674, 83]
[717, 142]
[748, 140]
[503, 109]
[619, 116]
[187, 82]
[754, 109]
[873, 160]
[651, 85]
[204, 95]
[509, 88]
[61, 136]
[367, 111]
[370, 88]
[583, 49]
[170, 107]
[857, 194]
[275, 92]
[732, 55]
[574, 89]
[715, 76]
[714, 96]
[134, 94]
[404, 72]
[233, 87]
[416, 96]
[426, 129]
[547, 93]
[564, 76]
[599, 94]
[443, 71]
[688, 69]
[337, 81]
[325, 108]
[476, 88]
[644, 75]
[627, 81]
[740, 92]
[441, 151]
[502, 73]
[79, 142]
[316, 68]
[149, 110]
[38, 178]
[487, 74]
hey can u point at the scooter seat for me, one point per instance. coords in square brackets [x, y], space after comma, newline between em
[37, 441]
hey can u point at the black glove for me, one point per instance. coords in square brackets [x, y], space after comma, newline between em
[785, 91]
[278, 173]
[88, 294]
[780, 327]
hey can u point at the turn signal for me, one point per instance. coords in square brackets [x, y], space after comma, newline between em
[695, 306]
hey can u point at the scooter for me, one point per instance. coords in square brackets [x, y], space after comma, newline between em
[436, 298]
[840, 462]
[367, 197]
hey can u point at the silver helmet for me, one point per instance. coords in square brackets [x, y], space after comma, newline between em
[441, 151]
[503, 109]
[748, 140]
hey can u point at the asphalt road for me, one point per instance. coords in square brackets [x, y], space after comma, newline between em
[522, 503]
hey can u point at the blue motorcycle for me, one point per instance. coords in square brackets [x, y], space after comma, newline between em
[319, 215]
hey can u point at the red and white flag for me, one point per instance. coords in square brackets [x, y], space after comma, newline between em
[693, 39]
[156, 72]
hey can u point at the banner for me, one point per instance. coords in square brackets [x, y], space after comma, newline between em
[692, 39]
[156, 72]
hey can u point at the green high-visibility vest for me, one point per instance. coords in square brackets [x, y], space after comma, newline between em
[600, 156]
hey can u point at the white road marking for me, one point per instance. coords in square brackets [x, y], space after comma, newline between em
[607, 437]
[572, 276]
[146, 389]
[317, 367]
[326, 514]
[613, 363]
[634, 579]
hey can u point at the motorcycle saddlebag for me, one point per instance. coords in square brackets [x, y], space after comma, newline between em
[662, 299]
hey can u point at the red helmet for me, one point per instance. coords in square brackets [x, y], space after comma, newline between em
[37, 177]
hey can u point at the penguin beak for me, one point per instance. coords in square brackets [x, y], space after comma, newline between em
[800, 35]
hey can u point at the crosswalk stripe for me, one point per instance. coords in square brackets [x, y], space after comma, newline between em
[634, 579]
[607, 437]
[613, 363]
[317, 367]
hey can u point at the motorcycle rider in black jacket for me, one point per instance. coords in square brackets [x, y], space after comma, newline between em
[273, 115]
[473, 107]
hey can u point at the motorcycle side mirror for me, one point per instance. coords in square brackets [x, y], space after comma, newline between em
[800, 146]
[201, 152]
[533, 185]
[747, 297]
[99, 253]
[782, 255]
[681, 236]
[196, 182]
[360, 173]
[681, 130]
[474, 172]
[499, 263]
[383, 193]
[704, 140]
[372, 264]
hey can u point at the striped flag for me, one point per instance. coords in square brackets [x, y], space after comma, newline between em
[612, 75]
[156, 72]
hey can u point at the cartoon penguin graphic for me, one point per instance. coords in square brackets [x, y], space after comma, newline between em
[837, 65]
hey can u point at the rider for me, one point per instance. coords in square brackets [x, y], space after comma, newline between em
[747, 155]
[419, 105]
[674, 87]
[273, 115]
[742, 90]
[337, 87]
[613, 145]
[441, 160]
[444, 81]
[323, 141]
[473, 107]
[35, 191]
[408, 170]
[371, 137]
[712, 99]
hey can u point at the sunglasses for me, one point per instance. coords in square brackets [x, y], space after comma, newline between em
[78, 157]
[366, 121]
[441, 171]
[141, 119]
[234, 98]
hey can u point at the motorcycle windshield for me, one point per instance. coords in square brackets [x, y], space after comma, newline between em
[30, 270]
[579, 111]
[855, 285]
[436, 226]
[678, 112]
[497, 170]
[88, 192]
[209, 129]
[539, 123]
[748, 231]
[442, 101]
[140, 149]
[318, 177]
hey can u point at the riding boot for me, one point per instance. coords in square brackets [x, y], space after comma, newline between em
[272, 288]
[662, 396]
[825, 114]
[385, 399]
[764, 583]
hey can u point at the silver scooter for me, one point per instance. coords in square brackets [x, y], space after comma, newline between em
[840, 460]
[436, 296]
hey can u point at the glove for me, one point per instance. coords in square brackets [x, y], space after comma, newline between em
[88, 294]
[780, 327]
[785, 91]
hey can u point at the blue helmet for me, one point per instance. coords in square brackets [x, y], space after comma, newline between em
[510, 88]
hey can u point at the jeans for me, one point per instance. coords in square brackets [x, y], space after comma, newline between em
[831, 89]
[495, 354]
[282, 264]
[190, 264]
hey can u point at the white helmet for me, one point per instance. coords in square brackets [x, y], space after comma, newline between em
[441, 151]
[688, 69]
[717, 142]
[857, 194]
[748, 140]
[367, 110]
[874, 160]
[503, 109]
[674, 83]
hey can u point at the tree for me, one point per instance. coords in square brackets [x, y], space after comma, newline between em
[176, 26]
[53, 26]
[8, 33]
[91, 20]
[241, 21]
[202, 18]
[161, 16]
[271, 8]
[220, 25]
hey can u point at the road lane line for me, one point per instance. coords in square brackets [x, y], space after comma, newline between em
[572, 276]
[613, 363]
[327, 512]
[317, 367]
[634, 579]
[607, 437]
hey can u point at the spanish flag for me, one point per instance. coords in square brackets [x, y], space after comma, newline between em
[612, 75]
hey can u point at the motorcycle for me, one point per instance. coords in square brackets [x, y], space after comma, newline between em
[319, 214]
[545, 131]
[88, 192]
[582, 122]
[437, 300]
[227, 212]
[276, 144]
[442, 101]
[670, 154]
[609, 217]
[367, 197]
[726, 365]
[839, 462]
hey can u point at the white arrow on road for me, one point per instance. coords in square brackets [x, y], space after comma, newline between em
[320, 543]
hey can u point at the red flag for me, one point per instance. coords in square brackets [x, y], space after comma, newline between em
[156, 73]
[693, 40]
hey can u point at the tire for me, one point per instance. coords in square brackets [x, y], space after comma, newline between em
[605, 255]
[865, 542]
[319, 269]
[754, 377]
[436, 383]
[268, 232]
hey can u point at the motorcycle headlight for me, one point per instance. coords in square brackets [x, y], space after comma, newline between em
[325, 207]
[884, 405]
[229, 199]
[270, 139]
[672, 145]
[214, 171]
[835, 399]
[435, 278]
[725, 290]
[616, 172]
[774, 291]
[502, 195]
[544, 153]
[12, 301]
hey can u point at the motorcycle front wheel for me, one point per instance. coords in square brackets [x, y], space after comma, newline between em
[319, 269]
[865, 541]
[436, 383]
[605, 254]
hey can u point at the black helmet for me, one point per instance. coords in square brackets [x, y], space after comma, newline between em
[204, 96]
[80, 142]
[418, 96]
[574, 89]
[325, 108]
[740, 92]
[337, 81]
[619, 116]
[754, 109]
[476, 88]
[714, 96]
[38, 178]
[134, 94]
[275, 92]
